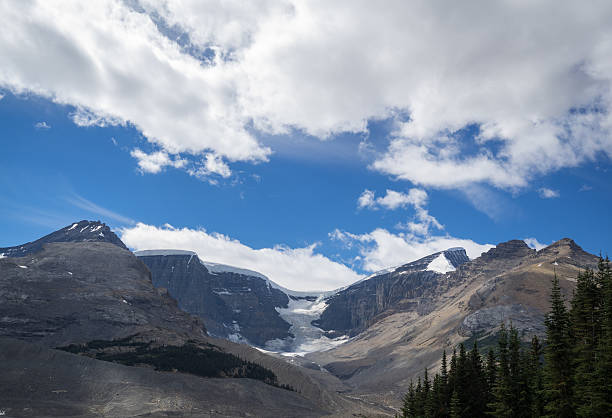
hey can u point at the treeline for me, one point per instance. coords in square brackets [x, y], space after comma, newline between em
[569, 375]
[203, 361]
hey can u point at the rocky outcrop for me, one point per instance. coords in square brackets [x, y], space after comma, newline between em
[233, 304]
[74, 292]
[408, 288]
[83, 231]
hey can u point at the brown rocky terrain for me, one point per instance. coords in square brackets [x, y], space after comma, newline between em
[509, 283]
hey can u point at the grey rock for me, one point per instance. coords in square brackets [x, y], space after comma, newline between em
[409, 287]
[232, 305]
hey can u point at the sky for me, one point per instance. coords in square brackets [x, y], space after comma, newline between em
[312, 141]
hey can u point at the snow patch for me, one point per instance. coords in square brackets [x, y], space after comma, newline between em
[2, 255]
[555, 264]
[94, 229]
[70, 273]
[22, 267]
[149, 253]
[72, 227]
[440, 264]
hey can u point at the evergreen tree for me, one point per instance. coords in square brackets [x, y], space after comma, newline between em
[602, 397]
[491, 377]
[557, 368]
[537, 380]
[502, 406]
[586, 333]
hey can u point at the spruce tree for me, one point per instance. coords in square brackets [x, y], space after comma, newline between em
[558, 355]
[501, 406]
[537, 380]
[586, 333]
[602, 397]
[491, 377]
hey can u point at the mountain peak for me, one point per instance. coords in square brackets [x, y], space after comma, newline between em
[82, 231]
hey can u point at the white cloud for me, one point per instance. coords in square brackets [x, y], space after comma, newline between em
[156, 161]
[514, 69]
[417, 198]
[115, 66]
[212, 164]
[546, 193]
[534, 243]
[42, 125]
[392, 199]
[294, 268]
[381, 249]
[366, 199]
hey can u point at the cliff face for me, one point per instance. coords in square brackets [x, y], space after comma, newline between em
[74, 292]
[408, 288]
[234, 305]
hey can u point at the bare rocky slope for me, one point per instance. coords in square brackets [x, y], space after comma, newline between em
[509, 283]
[96, 292]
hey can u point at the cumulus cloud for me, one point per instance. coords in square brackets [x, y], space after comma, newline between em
[381, 249]
[294, 268]
[546, 193]
[539, 101]
[156, 161]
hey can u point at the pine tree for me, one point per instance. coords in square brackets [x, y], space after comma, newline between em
[491, 377]
[501, 406]
[557, 368]
[408, 408]
[602, 397]
[586, 333]
[537, 380]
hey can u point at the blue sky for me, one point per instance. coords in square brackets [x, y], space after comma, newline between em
[298, 158]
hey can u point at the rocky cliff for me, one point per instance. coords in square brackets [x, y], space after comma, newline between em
[409, 288]
[234, 304]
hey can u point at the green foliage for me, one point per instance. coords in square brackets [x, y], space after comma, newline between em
[207, 361]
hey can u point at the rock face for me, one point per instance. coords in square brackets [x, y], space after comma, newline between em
[83, 231]
[43, 296]
[239, 305]
[509, 283]
[408, 288]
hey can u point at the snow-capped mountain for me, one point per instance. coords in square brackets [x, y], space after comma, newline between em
[83, 231]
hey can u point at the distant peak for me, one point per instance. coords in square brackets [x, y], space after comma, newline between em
[82, 231]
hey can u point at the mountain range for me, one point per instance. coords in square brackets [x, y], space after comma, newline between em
[77, 300]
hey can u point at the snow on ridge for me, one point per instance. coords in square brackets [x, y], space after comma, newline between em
[148, 253]
[72, 227]
[440, 264]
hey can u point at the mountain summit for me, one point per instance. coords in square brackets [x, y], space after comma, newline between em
[82, 231]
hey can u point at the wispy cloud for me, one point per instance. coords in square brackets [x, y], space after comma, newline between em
[87, 205]
[546, 193]
[42, 125]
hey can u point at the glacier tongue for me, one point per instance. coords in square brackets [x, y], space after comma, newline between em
[440, 264]
[308, 338]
